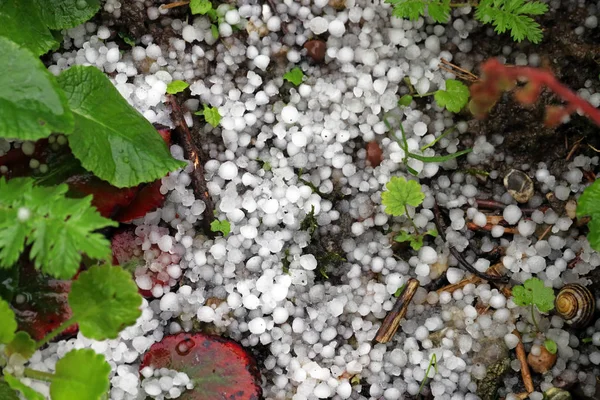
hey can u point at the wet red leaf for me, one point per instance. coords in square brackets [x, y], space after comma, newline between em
[147, 199]
[107, 198]
[220, 368]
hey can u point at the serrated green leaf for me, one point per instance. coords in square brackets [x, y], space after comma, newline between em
[593, 235]
[211, 115]
[533, 291]
[32, 106]
[21, 344]
[7, 393]
[454, 98]
[21, 22]
[176, 87]
[200, 6]
[80, 374]
[58, 229]
[513, 16]
[551, 346]
[220, 226]
[411, 9]
[8, 323]
[25, 390]
[589, 201]
[439, 10]
[294, 76]
[104, 300]
[401, 193]
[112, 139]
[66, 14]
[405, 100]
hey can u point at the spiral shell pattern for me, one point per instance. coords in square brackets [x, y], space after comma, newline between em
[576, 304]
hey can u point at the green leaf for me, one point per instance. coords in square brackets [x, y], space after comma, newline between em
[111, 139]
[513, 15]
[176, 87]
[32, 104]
[6, 392]
[221, 226]
[454, 98]
[22, 344]
[200, 6]
[8, 322]
[593, 235]
[66, 14]
[104, 300]
[551, 346]
[405, 100]
[21, 22]
[533, 291]
[399, 290]
[589, 201]
[214, 30]
[415, 240]
[401, 193]
[439, 10]
[80, 374]
[411, 9]
[211, 115]
[27, 392]
[294, 76]
[58, 229]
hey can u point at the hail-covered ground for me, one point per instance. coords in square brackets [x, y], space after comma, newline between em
[260, 284]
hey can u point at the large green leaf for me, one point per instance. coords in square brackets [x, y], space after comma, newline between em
[111, 138]
[32, 106]
[8, 323]
[65, 14]
[21, 23]
[81, 374]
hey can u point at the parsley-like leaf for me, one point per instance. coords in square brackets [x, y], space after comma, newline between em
[454, 98]
[534, 292]
[587, 205]
[294, 76]
[176, 87]
[59, 229]
[551, 346]
[80, 374]
[221, 226]
[513, 15]
[415, 240]
[22, 344]
[439, 10]
[400, 194]
[104, 300]
[411, 9]
[27, 392]
[211, 115]
[8, 326]
[200, 6]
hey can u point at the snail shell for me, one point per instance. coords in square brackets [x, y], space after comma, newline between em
[519, 185]
[557, 394]
[576, 304]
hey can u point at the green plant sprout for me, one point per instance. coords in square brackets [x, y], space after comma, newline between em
[454, 98]
[211, 115]
[503, 15]
[587, 205]
[176, 87]
[402, 142]
[587, 340]
[216, 16]
[294, 76]
[432, 363]
[534, 293]
[221, 226]
[399, 195]
[551, 346]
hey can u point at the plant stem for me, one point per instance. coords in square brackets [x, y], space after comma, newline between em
[38, 375]
[432, 362]
[533, 318]
[411, 220]
[424, 94]
[446, 132]
[56, 332]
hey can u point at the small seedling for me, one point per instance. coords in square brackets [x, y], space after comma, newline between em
[221, 226]
[211, 115]
[454, 97]
[587, 205]
[309, 223]
[294, 76]
[432, 363]
[534, 293]
[551, 346]
[176, 87]
[587, 340]
[405, 100]
[504, 15]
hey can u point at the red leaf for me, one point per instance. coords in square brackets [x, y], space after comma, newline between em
[147, 199]
[220, 368]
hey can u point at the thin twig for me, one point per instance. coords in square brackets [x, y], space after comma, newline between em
[522, 357]
[575, 147]
[546, 231]
[173, 5]
[190, 151]
[438, 220]
[391, 323]
[458, 71]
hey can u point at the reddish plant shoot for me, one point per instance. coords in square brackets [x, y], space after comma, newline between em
[497, 78]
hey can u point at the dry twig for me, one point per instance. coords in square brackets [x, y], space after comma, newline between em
[522, 357]
[391, 323]
[458, 71]
[173, 5]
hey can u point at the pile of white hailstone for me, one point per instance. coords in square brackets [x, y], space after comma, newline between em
[320, 334]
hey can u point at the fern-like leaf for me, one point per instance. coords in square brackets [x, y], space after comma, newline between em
[513, 16]
[438, 10]
[58, 229]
